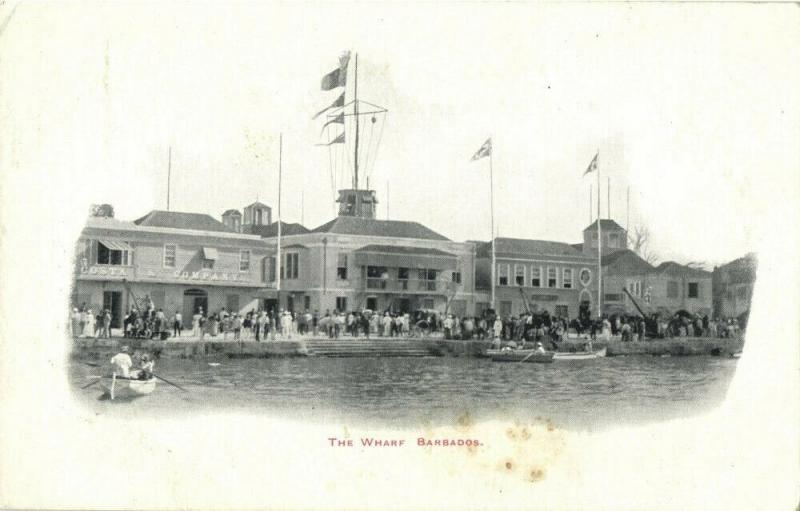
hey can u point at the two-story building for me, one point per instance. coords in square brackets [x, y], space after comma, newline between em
[356, 261]
[538, 275]
[180, 261]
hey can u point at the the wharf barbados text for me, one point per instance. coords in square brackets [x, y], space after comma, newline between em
[420, 442]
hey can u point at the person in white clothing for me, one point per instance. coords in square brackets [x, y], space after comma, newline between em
[121, 363]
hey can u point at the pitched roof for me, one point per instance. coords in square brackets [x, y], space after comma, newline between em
[271, 230]
[232, 212]
[627, 261]
[178, 220]
[605, 224]
[257, 204]
[529, 247]
[372, 227]
[393, 249]
[674, 268]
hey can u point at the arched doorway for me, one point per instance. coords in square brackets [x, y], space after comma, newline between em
[585, 307]
[193, 301]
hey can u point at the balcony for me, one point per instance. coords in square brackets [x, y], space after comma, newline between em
[381, 285]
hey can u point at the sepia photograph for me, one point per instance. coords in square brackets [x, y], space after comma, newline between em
[399, 256]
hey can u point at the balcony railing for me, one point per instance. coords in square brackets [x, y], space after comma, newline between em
[405, 285]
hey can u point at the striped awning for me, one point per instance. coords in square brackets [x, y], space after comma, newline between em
[116, 245]
[210, 253]
[405, 257]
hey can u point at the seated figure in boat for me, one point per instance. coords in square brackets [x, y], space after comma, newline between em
[539, 348]
[121, 363]
[145, 368]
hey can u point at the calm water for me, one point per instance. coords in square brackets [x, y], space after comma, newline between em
[585, 395]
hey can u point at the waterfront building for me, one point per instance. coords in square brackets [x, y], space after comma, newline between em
[666, 288]
[356, 261]
[180, 261]
[733, 286]
[538, 275]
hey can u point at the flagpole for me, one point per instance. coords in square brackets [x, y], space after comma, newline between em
[355, 111]
[591, 203]
[280, 172]
[169, 173]
[599, 247]
[493, 241]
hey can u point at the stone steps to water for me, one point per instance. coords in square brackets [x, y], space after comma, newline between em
[367, 348]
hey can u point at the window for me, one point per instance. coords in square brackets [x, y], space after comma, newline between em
[566, 278]
[505, 308]
[341, 267]
[635, 287]
[377, 277]
[519, 274]
[616, 297]
[586, 277]
[341, 303]
[169, 256]
[292, 266]
[372, 303]
[402, 277]
[208, 264]
[113, 256]
[552, 276]
[502, 274]
[427, 303]
[456, 277]
[232, 303]
[307, 302]
[562, 311]
[536, 276]
[244, 260]
[693, 290]
[672, 289]
[269, 269]
[427, 279]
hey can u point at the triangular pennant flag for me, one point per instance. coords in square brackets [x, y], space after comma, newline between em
[337, 77]
[337, 140]
[336, 104]
[339, 119]
[593, 165]
[484, 151]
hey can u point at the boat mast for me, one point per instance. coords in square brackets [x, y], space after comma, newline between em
[355, 111]
[279, 265]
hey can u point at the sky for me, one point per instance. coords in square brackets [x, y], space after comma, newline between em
[683, 113]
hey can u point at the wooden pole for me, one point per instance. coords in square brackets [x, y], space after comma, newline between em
[169, 173]
[599, 247]
[278, 262]
[491, 201]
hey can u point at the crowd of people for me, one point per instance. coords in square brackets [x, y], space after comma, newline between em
[150, 322]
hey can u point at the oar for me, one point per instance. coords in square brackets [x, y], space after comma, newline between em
[167, 381]
[527, 357]
[92, 383]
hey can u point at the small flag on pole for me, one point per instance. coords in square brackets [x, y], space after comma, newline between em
[593, 165]
[337, 140]
[339, 119]
[484, 151]
[336, 104]
[337, 77]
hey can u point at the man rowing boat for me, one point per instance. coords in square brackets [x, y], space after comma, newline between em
[121, 363]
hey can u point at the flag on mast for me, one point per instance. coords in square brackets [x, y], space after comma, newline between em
[337, 77]
[336, 104]
[593, 165]
[339, 119]
[337, 140]
[484, 151]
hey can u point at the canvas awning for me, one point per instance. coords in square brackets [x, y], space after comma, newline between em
[210, 253]
[405, 257]
[116, 245]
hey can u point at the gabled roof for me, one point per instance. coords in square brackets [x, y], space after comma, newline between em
[232, 212]
[605, 224]
[673, 268]
[627, 262]
[372, 227]
[528, 247]
[178, 220]
[393, 249]
[271, 230]
[257, 204]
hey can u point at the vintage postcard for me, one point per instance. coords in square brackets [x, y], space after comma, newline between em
[399, 256]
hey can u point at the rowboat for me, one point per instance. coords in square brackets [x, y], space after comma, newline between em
[579, 355]
[520, 356]
[121, 387]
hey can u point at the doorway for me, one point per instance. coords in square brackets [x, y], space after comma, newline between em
[270, 305]
[193, 301]
[112, 301]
